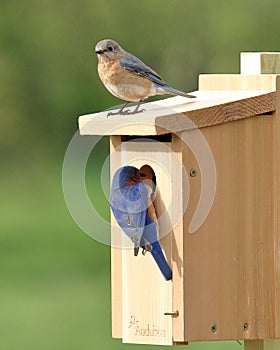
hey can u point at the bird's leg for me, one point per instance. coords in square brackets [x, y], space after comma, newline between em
[137, 110]
[121, 110]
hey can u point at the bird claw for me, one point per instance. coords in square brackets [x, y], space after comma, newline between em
[138, 111]
[119, 112]
[147, 248]
[126, 112]
[129, 112]
[136, 250]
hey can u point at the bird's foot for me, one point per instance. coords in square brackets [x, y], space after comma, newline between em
[129, 112]
[137, 111]
[124, 111]
[147, 248]
[120, 112]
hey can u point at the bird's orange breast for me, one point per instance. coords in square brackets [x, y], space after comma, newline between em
[122, 83]
[109, 70]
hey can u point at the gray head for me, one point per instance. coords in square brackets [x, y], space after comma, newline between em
[108, 48]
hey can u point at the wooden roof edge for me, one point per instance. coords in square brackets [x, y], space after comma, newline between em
[177, 114]
[219, 113]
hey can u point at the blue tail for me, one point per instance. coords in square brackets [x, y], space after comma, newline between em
[173, 91]
[161, 261]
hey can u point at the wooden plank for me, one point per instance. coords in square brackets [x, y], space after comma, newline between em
[237, 82]
[262, 344]
[219, 113]
[254, 345]
[178, 192]
[116, 252]
[260, 62]
[229, 260]
[276, 139]
[191, 269]
[146, 294]
[165, 116]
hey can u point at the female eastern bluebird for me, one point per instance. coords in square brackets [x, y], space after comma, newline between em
[128, 78]
[130, 202]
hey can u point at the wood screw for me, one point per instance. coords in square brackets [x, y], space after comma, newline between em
[193, 172]
[172, 313]
[214, 328]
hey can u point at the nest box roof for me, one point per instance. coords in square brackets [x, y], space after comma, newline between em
[177, 114]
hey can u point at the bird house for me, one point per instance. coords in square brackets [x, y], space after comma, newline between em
[217, 165]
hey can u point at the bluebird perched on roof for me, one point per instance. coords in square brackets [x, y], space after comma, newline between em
[133, 209]
[128, 78]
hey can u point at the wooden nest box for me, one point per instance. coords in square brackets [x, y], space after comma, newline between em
[217, 164]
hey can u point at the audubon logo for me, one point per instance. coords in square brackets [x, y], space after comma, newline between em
[146, 330]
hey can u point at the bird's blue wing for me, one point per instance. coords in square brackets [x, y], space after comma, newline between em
[129, 206]
[136, 66]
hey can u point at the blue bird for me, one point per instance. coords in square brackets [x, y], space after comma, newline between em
[132, 207]
[128, 78]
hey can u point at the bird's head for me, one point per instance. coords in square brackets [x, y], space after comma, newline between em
[147, 172]
[148, 176]
[129, 175]
[107, 48]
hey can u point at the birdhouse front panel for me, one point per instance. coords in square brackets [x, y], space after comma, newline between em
[147, 302]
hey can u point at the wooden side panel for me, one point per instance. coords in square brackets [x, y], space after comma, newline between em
[146, 294]
[180, 192]
[229, 261]
[276, 140]
[116, 252]
[262, 344]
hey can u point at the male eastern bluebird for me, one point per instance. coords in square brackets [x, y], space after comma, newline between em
[130, 202]
[128, 78]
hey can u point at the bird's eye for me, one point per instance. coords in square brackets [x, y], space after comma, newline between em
[110, 48]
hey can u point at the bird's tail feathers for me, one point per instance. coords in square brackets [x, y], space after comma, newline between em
[170, 90]
[161, 261]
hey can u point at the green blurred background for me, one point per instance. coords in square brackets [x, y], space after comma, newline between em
[54, 280]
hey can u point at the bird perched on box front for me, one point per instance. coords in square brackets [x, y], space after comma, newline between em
[148, 177]
[128, 78]
[130, 202]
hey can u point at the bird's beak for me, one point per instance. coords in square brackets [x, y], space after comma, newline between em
[99, 52]
[138, 175]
